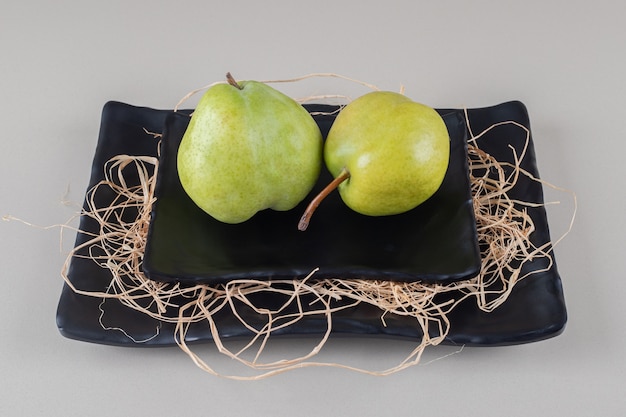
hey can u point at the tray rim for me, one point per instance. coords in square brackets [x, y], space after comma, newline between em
[75, 327]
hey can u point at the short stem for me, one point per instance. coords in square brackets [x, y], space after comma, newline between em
[232, 81]
[306, 217]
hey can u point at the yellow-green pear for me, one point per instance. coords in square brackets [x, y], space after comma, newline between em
[248, 147]
[388, 155]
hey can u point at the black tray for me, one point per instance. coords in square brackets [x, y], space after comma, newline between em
[435, 242]
[535, 309]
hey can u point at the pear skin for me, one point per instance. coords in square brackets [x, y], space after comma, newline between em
[396, 151]
[248, 147]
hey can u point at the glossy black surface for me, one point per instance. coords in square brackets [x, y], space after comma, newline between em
[437, 241]
[535, 309]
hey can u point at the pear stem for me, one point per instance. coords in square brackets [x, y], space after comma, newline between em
[344, 174]
[232, 81]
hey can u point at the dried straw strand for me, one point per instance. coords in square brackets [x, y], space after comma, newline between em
[503, 225]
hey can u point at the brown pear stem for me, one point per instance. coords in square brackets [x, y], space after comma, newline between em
[344, 174]
[232, 81]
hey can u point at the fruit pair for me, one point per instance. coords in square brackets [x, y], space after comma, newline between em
[249, 147]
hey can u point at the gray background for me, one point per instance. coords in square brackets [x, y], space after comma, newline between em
[61, 61]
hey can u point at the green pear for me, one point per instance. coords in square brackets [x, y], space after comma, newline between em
[388, 155]
[248, 147]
